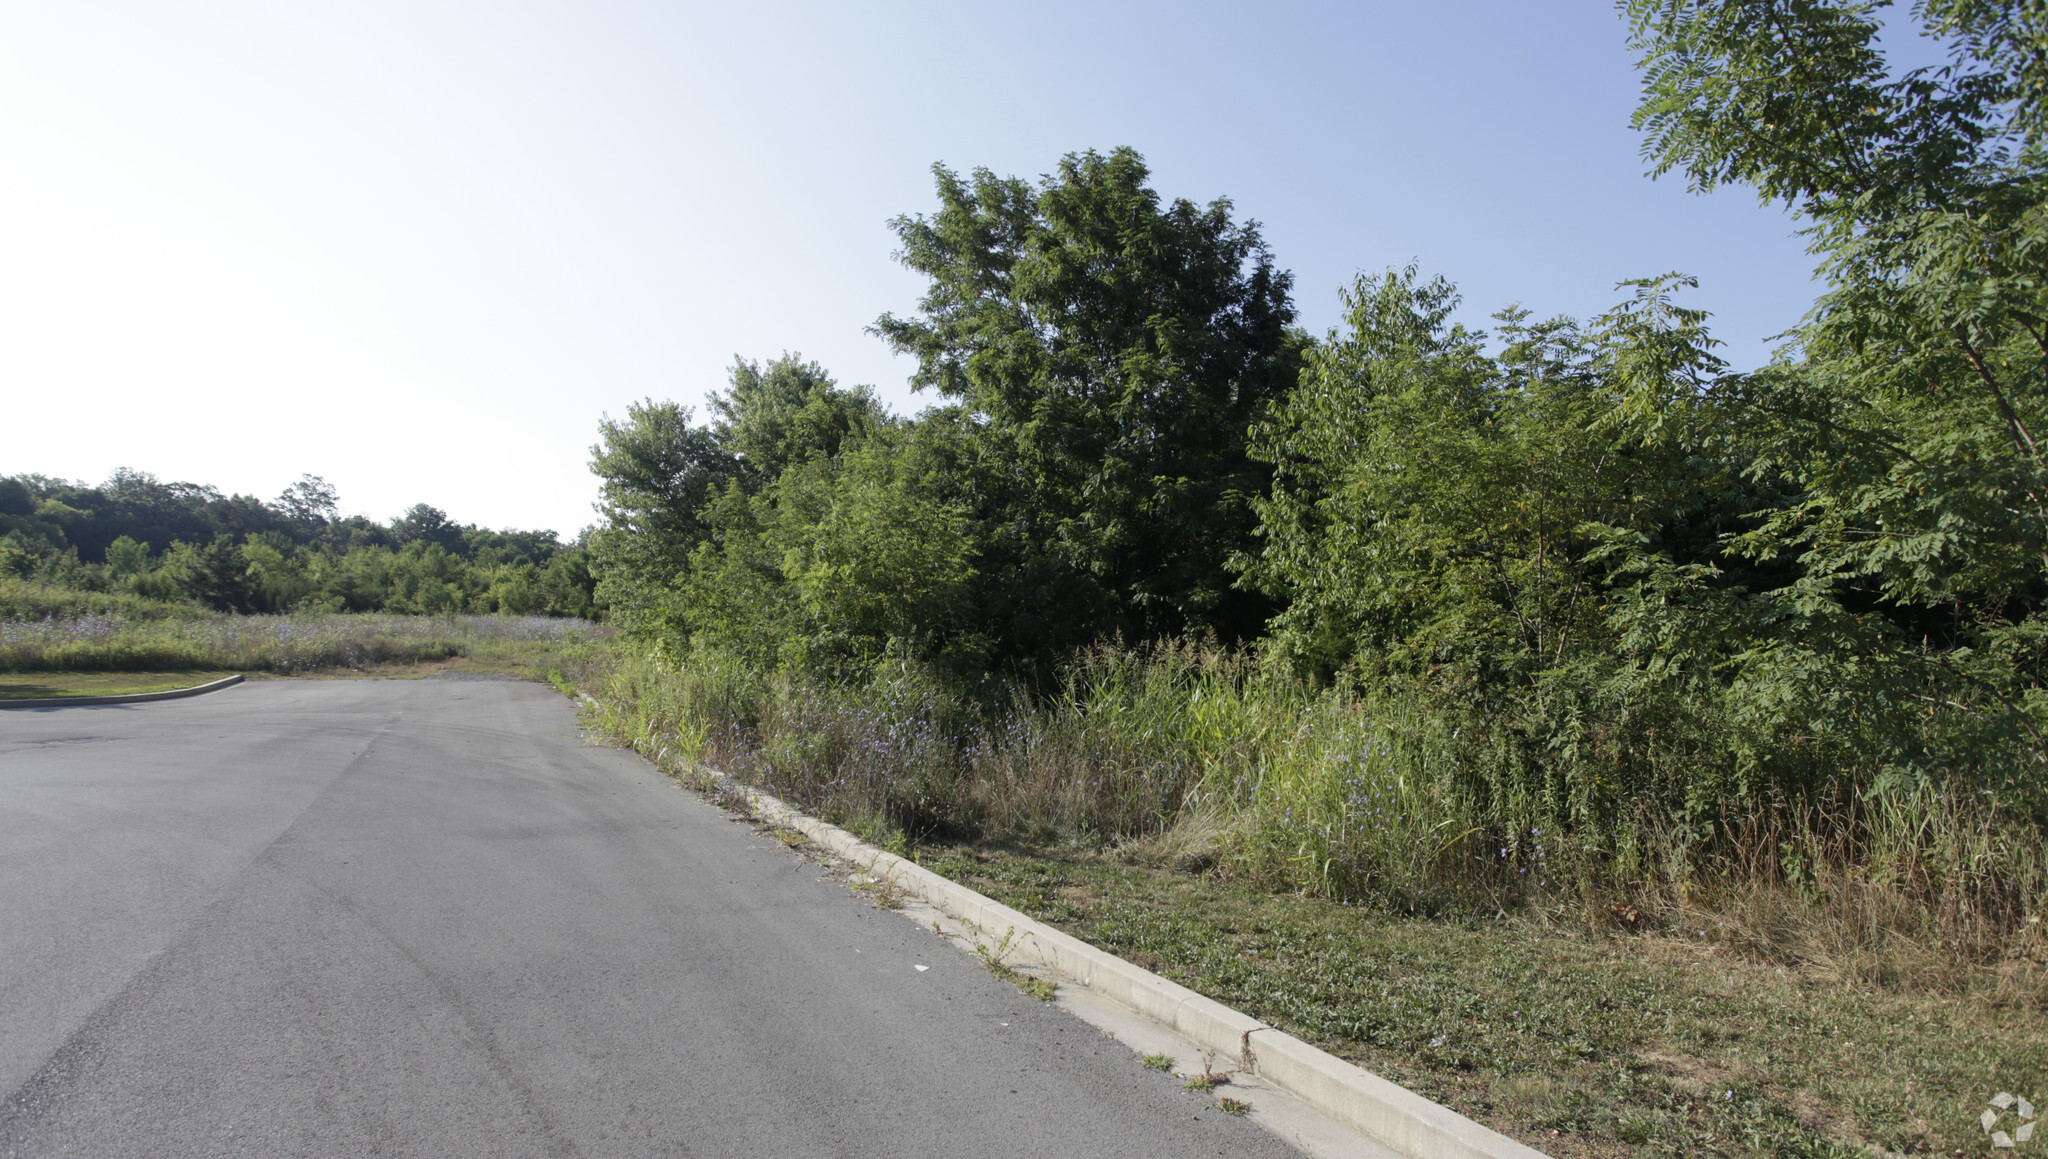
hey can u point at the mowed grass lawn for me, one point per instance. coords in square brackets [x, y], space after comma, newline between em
[1577, 1043]
[33, 685]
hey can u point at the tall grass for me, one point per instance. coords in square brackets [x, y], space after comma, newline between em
[1207, 759]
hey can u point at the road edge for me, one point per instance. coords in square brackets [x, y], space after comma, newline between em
[128, 698]
[1389, 1113]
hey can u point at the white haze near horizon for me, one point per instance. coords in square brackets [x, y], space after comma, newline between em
[419, 248]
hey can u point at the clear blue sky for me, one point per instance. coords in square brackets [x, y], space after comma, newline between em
[419, 248]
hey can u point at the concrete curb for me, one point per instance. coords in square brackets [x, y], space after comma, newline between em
[1391, 1114]
[131, 698]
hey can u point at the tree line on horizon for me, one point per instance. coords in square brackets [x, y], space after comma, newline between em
[1622, 574]
[238, 553]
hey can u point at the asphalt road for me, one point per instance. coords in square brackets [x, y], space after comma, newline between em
[428, 918]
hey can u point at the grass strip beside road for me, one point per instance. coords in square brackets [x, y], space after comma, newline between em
[1579, 1045]
[35, 685]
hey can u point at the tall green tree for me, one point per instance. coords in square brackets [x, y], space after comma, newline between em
[681, 554]
[424, 523]
[1907, 419]
[1111, 351]
[312, 502]
[656, 473]
[785, 413]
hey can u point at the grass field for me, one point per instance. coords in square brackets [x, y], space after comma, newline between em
[1575, 1043]
[33, 685]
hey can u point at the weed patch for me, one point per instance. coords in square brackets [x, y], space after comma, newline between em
[993, 957]
[1578, 1043]
[1210, 1078]
[883, 889]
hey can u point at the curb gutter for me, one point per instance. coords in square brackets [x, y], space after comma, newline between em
[1391, 1114]
[131, 698]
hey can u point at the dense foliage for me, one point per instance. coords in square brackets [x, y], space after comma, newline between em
[237, 553]
[1901, 425]
[1108, 355]
[1103, 356]
[1558, 576]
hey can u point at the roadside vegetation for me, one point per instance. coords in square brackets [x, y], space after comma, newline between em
[1605, 672]
[1674, 1043]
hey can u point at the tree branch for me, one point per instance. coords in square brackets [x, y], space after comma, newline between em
[2022, 439]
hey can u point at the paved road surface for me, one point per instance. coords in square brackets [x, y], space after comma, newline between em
[425, 918]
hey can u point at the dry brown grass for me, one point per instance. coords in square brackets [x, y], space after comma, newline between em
[1932, 891]
[1196, 842]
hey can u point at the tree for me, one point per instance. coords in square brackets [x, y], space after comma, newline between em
[1430, 496]
[15, 497]
[878, 562]
[312, 502]
[1111, 352]
[656, 472]
[1904, 422]
[127, 558]
[214, 573]
[276, 574]
[788, 412]
[426, 524]
[663, 480]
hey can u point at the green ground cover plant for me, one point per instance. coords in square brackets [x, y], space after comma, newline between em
[1667, 1043]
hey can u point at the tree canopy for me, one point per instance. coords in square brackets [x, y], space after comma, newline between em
[1111, 352]
[239, 553]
